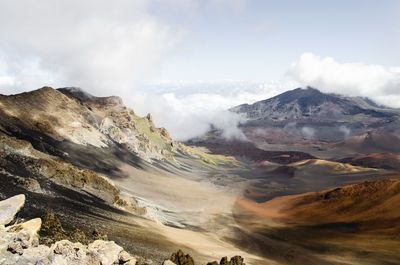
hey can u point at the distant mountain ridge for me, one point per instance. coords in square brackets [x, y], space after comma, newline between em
[310, 114]
[310, 103]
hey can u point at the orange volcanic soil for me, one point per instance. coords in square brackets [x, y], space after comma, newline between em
[372, 205]
[376, 160]
[371, 142]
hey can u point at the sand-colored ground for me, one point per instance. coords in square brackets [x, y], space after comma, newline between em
[188, 210]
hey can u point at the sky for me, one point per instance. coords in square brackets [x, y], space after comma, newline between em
[188, 61]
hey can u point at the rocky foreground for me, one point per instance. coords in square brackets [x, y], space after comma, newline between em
[19, 244]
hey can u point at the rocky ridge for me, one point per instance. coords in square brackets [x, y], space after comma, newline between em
[73, 115]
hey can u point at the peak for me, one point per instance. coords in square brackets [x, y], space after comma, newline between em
[83, 96]
[308, 91]
[43, 90]
[46, 88]
[43, 93]
[308, 88]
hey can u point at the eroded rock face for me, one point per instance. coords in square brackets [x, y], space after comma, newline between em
[22, 153]
[73, 115]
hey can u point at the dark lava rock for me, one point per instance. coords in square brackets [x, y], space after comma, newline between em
[180, 258]
[236, 260]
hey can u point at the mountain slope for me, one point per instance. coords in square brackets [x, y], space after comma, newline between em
[360, 222]
[88, 121]
[310, 103]
[96, 165]
[312, 115]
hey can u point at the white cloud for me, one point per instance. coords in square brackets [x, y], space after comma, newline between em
[102, 46]
[377, 82]
[346, 131]
[308, 132]
[187, 109]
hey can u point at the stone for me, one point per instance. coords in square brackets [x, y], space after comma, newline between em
[212, 263]
[236, 260]
[124, 257]
[36, 255]
[130, 262]
[224, 261]
[19, 242]
[31, 226]
[180, 258]
[69, 253]
[10, 207]
[108, 251]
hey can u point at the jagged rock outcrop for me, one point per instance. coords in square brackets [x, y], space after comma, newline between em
[73, 115]
[120, 124]
[180, 258]
[236, 260]
[19, 244]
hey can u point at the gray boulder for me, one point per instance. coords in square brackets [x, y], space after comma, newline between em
[10, 207]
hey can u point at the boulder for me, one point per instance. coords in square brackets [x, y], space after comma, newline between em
[36, 255]
[23, 236]
[125, 258]
[236, 260]
[180, 258]
[108, 251]
[10, 207]
[68, 253]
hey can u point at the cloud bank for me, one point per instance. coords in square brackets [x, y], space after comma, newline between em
[188, 108]
[377, 82]
[103, 46]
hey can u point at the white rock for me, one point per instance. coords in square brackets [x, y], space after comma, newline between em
[32, 226]
[168, 262]
[36, 255]
[10, 207]
[68, 253]
[131, 262]
[108, 251]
